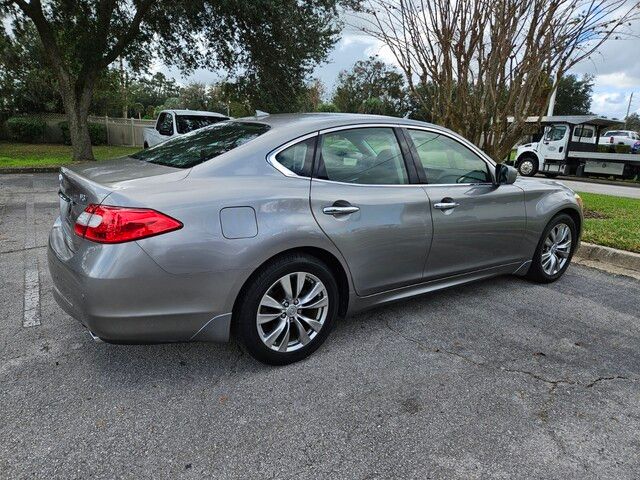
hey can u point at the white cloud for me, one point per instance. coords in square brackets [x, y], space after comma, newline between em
[617, 80]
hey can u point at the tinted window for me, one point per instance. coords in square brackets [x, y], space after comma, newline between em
[447, 161]
[582, 132]
[363, 155]
[299, 157]
[202, 145]
[165, 124]
[188, 123]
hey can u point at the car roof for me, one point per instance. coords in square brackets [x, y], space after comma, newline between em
[297, 124]
[197, 113]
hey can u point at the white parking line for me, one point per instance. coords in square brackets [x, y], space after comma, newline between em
[31, 316]
[31, 293]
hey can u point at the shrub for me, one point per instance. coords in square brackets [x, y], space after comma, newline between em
[623, 148]
[327, 107]
[97, 133]
[604, 148]
[26, 129]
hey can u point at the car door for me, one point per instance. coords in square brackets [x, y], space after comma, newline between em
[554, 142]
[476, 224]
[164, 128]
[363, 199]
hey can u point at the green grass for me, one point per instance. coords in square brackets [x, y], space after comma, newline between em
[24, 155]
[612, 221]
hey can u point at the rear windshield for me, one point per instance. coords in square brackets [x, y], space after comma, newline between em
[202, 145]
[189, 123]
[615, 133]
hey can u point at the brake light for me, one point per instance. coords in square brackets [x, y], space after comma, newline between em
[107, 224]
[610, 139]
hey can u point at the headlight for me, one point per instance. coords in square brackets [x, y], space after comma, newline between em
[579, 200]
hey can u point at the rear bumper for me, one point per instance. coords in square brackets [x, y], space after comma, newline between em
[121, 295]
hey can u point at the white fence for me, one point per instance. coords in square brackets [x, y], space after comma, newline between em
[120, 131]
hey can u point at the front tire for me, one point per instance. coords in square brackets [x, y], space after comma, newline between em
[555, 250]
[527, 165]
[287, 310]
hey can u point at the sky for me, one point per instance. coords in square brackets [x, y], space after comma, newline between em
[615, 66]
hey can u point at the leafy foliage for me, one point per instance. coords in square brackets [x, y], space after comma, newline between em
[26, 129]
[371, 86]
[574, 95]
[97, 132]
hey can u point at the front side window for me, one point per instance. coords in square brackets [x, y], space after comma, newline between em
[201, 145]
[555, 133]
[298, 158]
[189, 123]
[369, 156]
[165, 124]
[446, 161]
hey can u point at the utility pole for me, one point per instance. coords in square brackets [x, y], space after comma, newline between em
[552, 100]
[628, 110]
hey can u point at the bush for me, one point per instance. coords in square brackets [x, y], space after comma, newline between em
[604, 148]
[623, 148]
[97, 133]
[26, 129]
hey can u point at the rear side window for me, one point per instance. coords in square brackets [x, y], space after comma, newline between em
[189, 123]
[446, 161]
[369, 156]
[298, 158]
[201, 145]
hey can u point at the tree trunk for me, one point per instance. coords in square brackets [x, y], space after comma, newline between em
[77, 109]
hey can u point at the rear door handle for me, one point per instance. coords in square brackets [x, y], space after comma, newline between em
[445, 205]
[334, 210]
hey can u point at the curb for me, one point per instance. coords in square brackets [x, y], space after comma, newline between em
[29, 170]
[608, 255]
[598, 181]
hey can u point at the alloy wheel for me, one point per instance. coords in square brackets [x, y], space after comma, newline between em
[556, 249]
[292, 312]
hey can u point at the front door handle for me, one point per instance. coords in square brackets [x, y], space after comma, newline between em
[445, 205]
[336, 210]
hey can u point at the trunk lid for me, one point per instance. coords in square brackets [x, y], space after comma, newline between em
[84, 184]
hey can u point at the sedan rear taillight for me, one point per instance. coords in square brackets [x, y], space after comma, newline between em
[107, 224]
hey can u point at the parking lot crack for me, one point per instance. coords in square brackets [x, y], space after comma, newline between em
[602, 379]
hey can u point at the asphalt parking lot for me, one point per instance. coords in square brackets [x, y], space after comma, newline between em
[500, 379]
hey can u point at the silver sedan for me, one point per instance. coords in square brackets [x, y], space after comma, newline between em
[271, 228]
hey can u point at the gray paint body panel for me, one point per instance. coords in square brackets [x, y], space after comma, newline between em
[182, 285]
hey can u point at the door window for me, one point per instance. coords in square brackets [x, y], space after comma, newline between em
[299, 157]
[165, 124]
[555, 133]
[446, 161]
[363, 155]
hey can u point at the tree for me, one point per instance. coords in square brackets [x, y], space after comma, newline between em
[80, 39]
[482, 67]
[632, 122]
[371, 86]
[574, 95]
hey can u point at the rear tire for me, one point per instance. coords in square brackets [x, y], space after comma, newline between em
[527, 165]
[287, 309]
[553, 256]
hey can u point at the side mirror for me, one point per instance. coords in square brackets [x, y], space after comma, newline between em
[505, 175]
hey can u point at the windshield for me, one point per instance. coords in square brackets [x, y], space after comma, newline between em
[189, 123]
[202, 145]
[616, 133]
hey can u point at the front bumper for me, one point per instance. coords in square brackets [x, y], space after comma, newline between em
[121, 295]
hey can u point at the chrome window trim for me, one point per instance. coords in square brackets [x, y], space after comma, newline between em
[271, 156]
[285, 171]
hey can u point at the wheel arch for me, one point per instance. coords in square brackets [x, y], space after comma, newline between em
[575, 216]
[325, 256]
